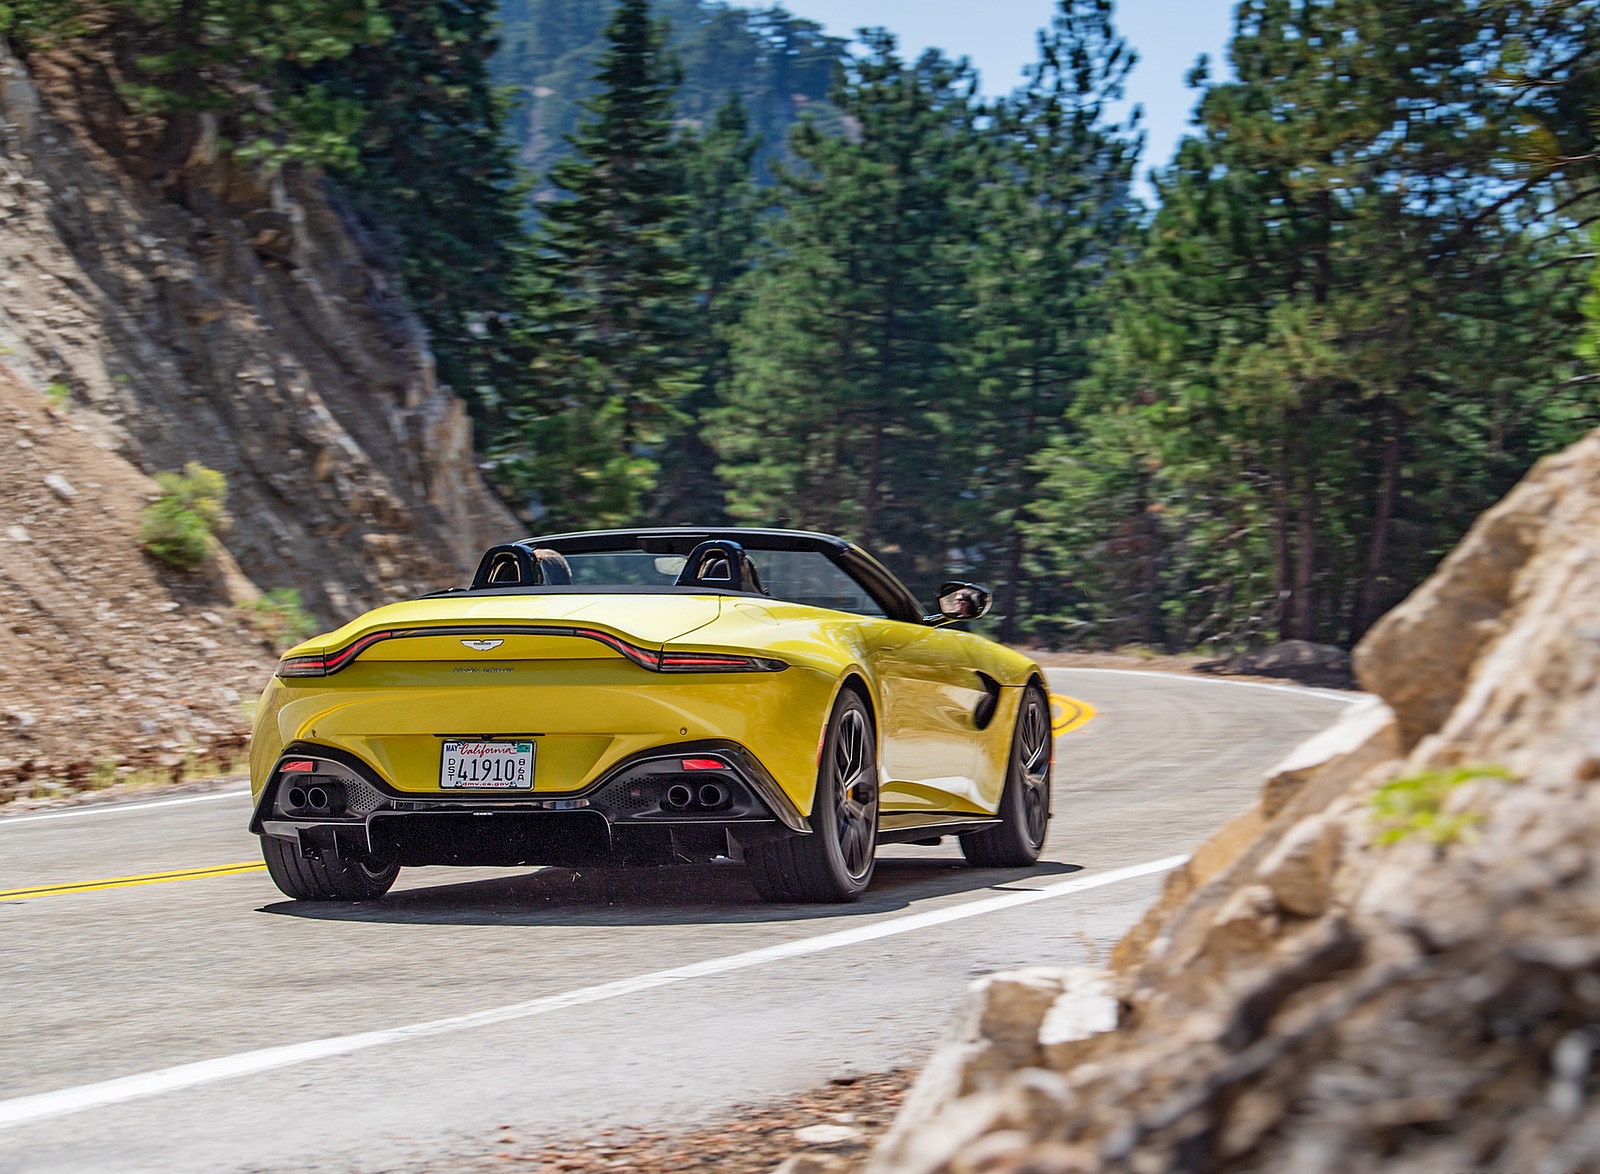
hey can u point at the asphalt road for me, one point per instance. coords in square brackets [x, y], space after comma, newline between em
[208, 1024]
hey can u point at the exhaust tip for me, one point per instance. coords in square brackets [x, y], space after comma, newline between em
[713, 795]
[297, 796]
[318, 798]
[678, 796]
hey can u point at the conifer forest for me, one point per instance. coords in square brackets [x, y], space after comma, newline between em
[698, 264]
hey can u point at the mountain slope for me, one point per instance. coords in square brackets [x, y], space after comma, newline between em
[232, 318]
[782, 66]
[247, 325]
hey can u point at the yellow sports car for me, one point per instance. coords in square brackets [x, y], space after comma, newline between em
[643, 696]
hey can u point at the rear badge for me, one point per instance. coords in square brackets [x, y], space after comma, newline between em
[483, 645]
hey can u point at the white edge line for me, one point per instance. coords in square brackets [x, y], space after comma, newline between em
[1294, 690]
[112, 808]
[23, 1110]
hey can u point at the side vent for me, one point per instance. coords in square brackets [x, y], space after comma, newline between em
[988, 703]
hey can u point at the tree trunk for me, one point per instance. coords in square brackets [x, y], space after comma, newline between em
[1282, 575]
[182, 129]
[1378, 549]
[1305, 596]
[870, 507]
[1011, 600]
[1151, 634]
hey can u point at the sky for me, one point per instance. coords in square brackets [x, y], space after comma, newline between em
[998, 36]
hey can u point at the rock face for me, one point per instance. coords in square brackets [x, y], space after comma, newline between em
[1394, 963]
[241, 320]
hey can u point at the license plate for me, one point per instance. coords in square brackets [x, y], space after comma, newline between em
[485, 766]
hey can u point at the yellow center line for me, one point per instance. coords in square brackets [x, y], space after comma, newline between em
[1069, 714]
[124, 882]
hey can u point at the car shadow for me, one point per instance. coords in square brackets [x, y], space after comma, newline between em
[709, 894]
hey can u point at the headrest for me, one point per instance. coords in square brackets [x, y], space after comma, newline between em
[722, 565]
[515, 564]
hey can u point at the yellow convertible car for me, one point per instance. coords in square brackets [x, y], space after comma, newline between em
[644, 696]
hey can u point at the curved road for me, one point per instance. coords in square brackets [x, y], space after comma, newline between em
[206, 1024]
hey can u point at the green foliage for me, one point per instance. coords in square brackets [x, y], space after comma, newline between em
[608, 315]
[843, 413]
[324, 131]
[426, 164]
[278, 618]
[1055, 214]
[1414, 805]
[944, 327]
[1589, 345]
[205, 57]
[37, 24]
[1348, 332]
[721, 233]
[178, 526]
[59, 395]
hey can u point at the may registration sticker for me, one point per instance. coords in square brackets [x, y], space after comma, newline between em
[487, 766]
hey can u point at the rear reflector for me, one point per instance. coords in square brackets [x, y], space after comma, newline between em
[703, 764]
[298, 766]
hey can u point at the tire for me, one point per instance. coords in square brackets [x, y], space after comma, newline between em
[328, 876]
[835, 862]
[1025, 803]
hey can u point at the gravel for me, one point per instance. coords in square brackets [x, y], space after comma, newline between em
[842, 1120]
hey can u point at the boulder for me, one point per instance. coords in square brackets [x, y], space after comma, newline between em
[1299, 871]
[1086, 1007]
[1311, 997]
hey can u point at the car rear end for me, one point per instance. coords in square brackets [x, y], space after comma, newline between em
[521, 729]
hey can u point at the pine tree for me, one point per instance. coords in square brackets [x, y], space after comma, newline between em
[847, 395]
[434, 174]
[609, 309]
[1057, 213]
[1337, 346]
[723, 228]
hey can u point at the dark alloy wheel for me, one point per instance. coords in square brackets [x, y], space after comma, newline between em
[1025, 803]
[328, 876]
[835, 862]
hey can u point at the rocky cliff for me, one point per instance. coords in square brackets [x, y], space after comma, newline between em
[1392, 963]
[213, 313]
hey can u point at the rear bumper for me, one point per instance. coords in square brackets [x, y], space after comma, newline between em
[647, 808]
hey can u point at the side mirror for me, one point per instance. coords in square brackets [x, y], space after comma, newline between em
[963, 601]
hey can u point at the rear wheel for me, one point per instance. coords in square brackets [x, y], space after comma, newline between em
[835, 862]
[1025, 803]
[333, 875]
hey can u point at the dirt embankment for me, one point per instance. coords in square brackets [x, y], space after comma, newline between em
[1391, 963]
[106, 661]
[213, 314]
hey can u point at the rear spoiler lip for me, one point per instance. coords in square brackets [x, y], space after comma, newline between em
[653, 657]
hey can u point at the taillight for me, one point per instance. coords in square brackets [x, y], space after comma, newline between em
[639, 656]
[684, 662]
[712, 662]
[330, 662]
[703, 764]
[302, 666]
[297, 766]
